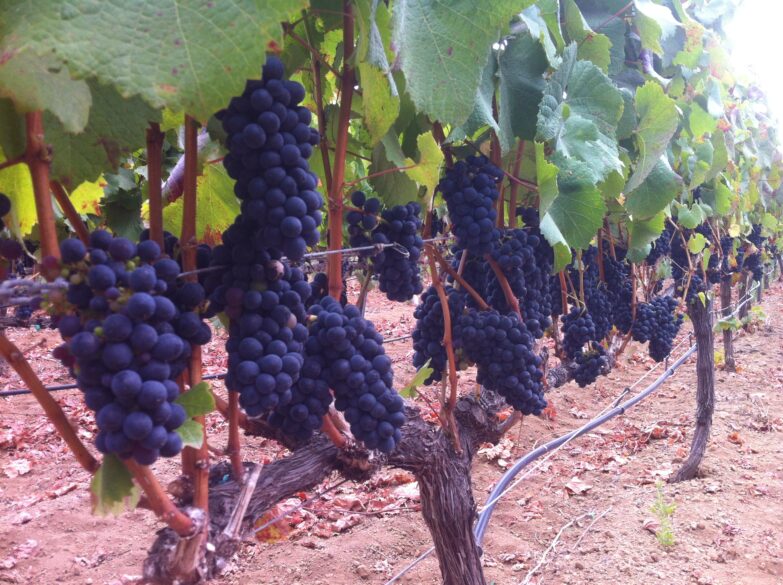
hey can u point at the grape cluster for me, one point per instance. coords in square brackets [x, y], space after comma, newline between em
[344, 352]
[428, 334]
[525, 258]
[269, 141]
[590, 364]
[578, 328]
[398, 273]
[502, 349]
[597, 298]
[362, 221]
[752, 263]
[667, 326]
[470, 190]
[126, 342]
[474, 272]
[319, 288]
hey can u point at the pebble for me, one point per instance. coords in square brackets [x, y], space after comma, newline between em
[363, 572]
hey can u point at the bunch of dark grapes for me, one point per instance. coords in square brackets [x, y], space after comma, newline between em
[264, 301]
[590, 364]
[428, 334]
[437, 226]
[398, 273]
[502, 349]
[727, 249]
[755, 236]
[470, 190]
[344, 352]
[578, 328]
[126, 342]
[662, 246]
[752, 263]
[319, 288]
[269, 141]
[362, 221]
[523, 258]
[679, 255]
[694, 287]
[10, 249]
[529, 216]
[596, 293]
[667, 325]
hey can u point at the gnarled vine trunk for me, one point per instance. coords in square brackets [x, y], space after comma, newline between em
[701, 317]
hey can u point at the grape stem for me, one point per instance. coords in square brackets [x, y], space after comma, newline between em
[51, 407]
[195, 462]
[440, 138]
[38, 158]
[335, 220]
[12, 161]
[361, 302]
[317, 57]
[563, 292]
[496, 158]
[447, 406]
[512, 220]
[234, 447]
[512, 300]
[609, 235]
[334, 434]
[154, 179]
[601, 273]
[445, 267]
[70, 212]
[159, 501]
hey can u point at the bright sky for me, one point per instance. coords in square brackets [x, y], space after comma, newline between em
[755, 35]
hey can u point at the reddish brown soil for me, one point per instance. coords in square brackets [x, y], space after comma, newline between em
[726, 527]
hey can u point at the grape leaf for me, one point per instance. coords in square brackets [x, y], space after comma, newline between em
[571, 206]
[537, 26]
[427, 169]
[106, 139]
[42, 83]
[599, 14]
[642, 233]
[112, 488]
[579, 114]
[592, 46]
[393, 188]
[443, 47]
[216, 205]
[191, 433]
[198, 400]
[521, 66]
[189, 57]
[482, 111]
[379, 107]
[700, 122]
[86, 198]
[422, 374]
[121, 204]
[15, 181]
[656, 23]
[12, 138]
[658, 120]
[657, 190]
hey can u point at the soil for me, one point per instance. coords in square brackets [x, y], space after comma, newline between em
[583, 515]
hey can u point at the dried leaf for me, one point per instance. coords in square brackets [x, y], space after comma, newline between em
[577, 487]
[16, 468]
[735, 438]
[651, 525]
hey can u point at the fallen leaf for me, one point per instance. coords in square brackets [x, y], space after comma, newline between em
[577, 486]
[735, 438]
[16, 468]
[651, 525]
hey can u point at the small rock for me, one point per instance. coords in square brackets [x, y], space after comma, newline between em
[579, 565]
[363, 572]
[518, 567]
[22, 518]
[507, 557]
[700, 526]
[653, 558]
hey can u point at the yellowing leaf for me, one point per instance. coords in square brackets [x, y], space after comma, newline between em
[86, 198]
[112, 488]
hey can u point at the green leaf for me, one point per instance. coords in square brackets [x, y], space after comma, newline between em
[121, 205]
[86, 198]
[191, 433]
[198, 400]
[700, 122]
[656, 23]
[592, 46]
[657, 190]
[719, 198]
[216, 205]
[697, 243]
[422, 374]
[521, 65]
[642, 234]
[427, 169]
[573, 217]
[658, 120]
[443, 48]
[720, 156]
[579, 114]
[392, 188]
[379, 107]
[599, 14]
[15, 181]
[106, 139]
[112, 488]
[35, 82]
[191, 58]
[701, 163]
[12, 138]
[690, 218]
[482, 114]
[537, 26]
